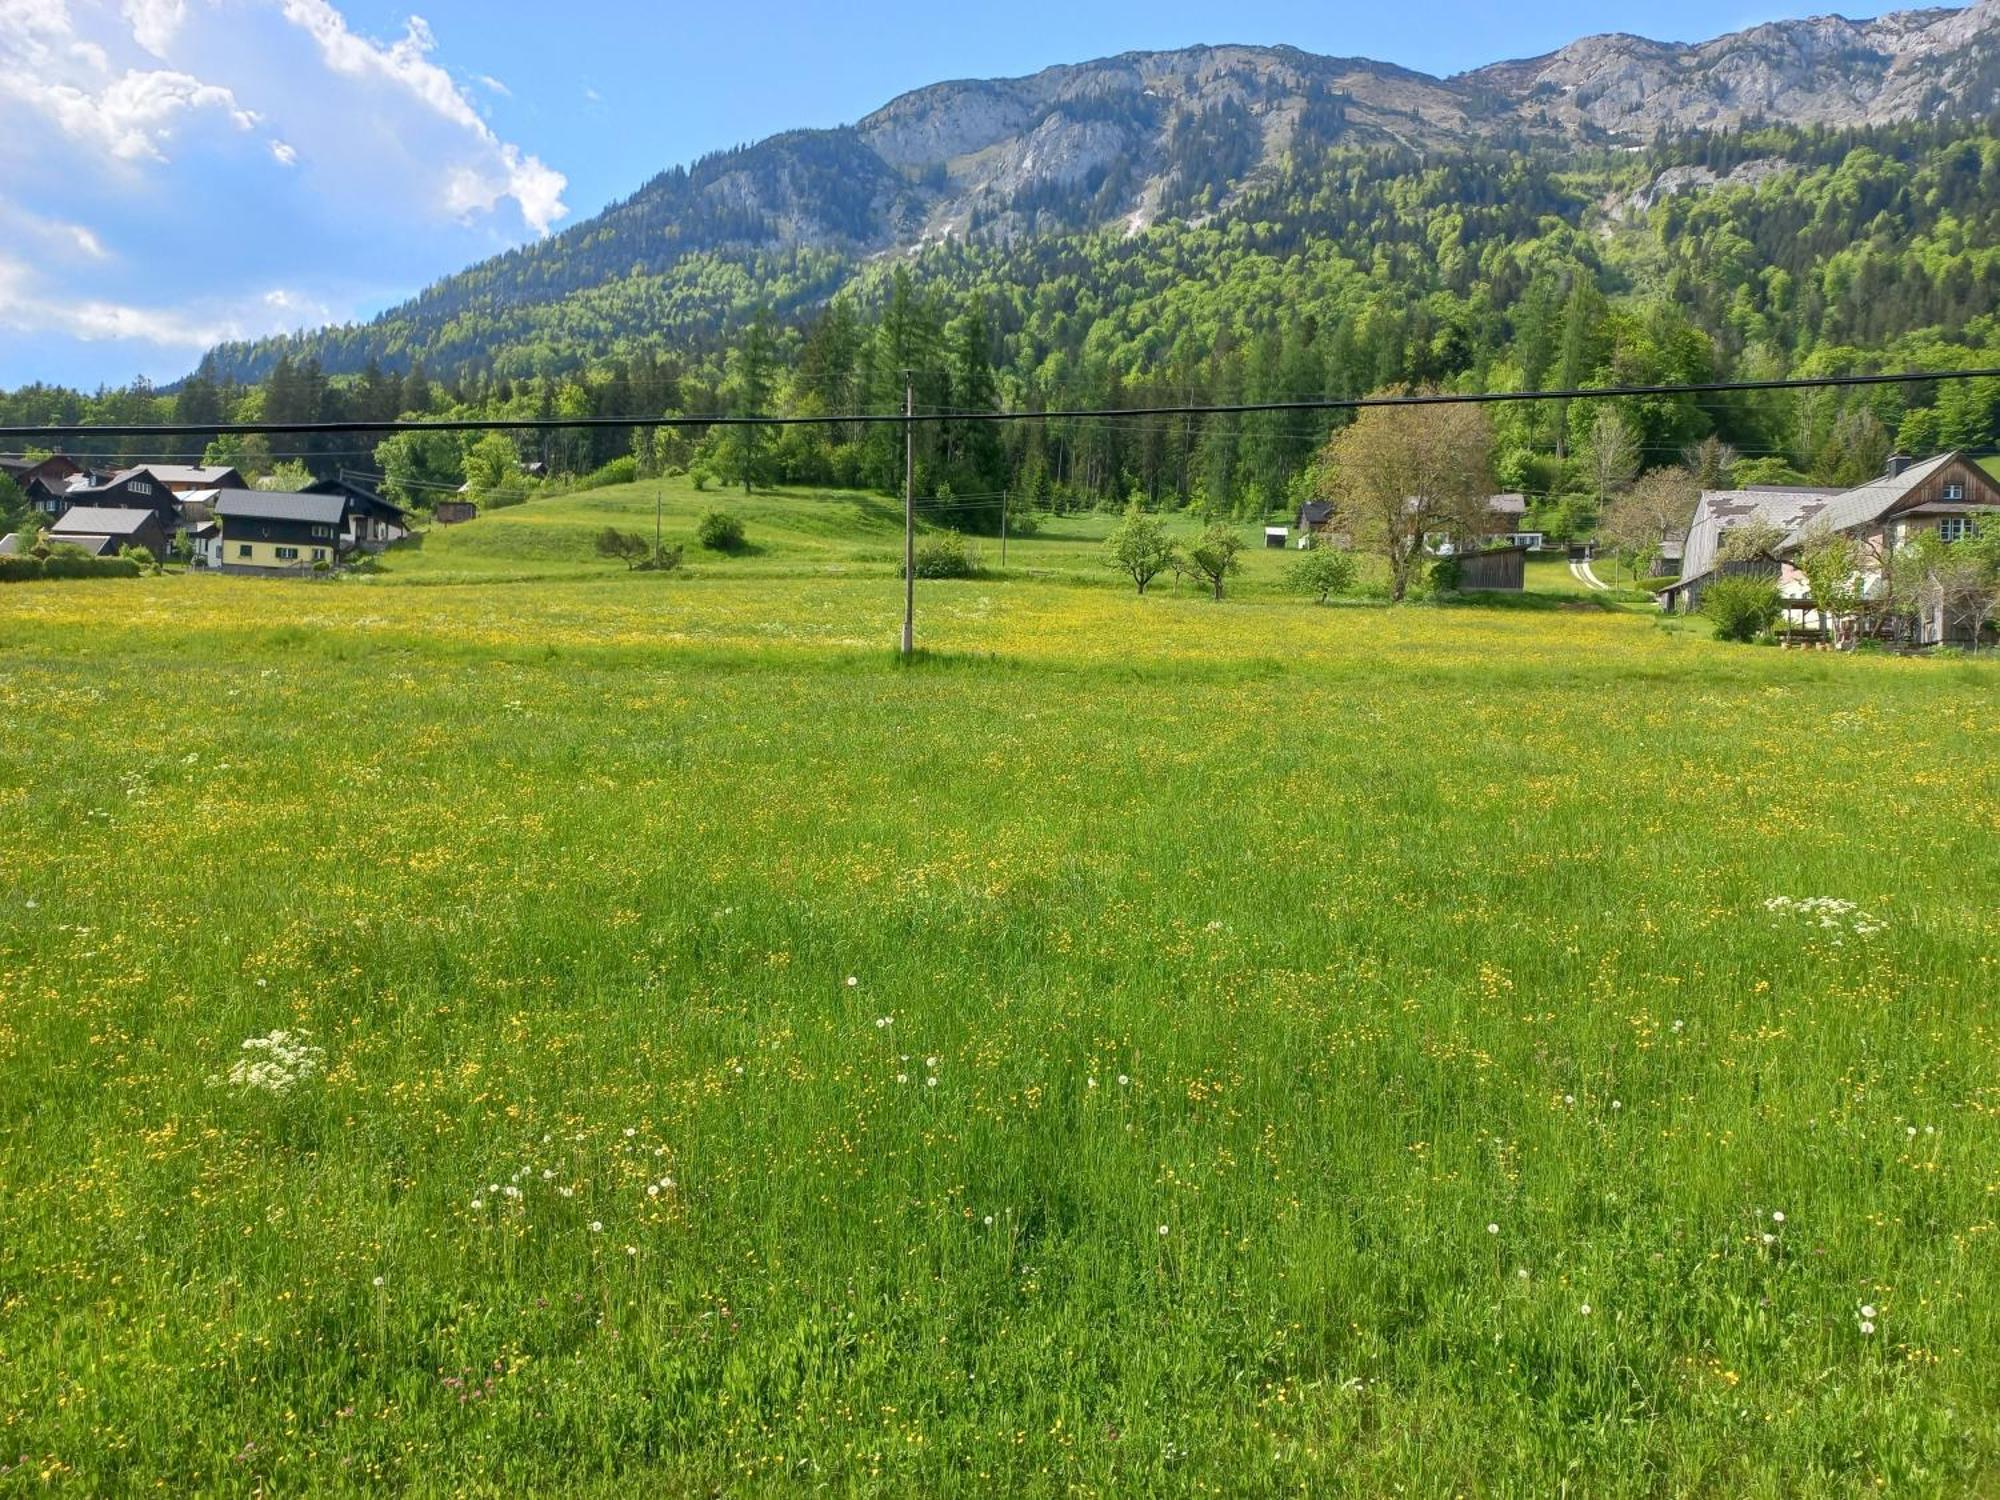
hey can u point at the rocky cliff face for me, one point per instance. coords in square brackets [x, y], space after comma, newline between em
[1826, 70]
[985, 146]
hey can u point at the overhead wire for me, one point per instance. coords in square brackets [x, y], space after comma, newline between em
[1240, 408]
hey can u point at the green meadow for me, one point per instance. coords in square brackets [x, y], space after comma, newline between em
[1142, 1046]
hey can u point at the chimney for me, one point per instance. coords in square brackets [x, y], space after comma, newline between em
[1897, 463]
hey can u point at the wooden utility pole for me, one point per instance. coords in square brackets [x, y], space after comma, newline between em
[659, 500]
[1003, 528]
[909, 514]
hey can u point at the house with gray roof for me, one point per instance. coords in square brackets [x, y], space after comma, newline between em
[1947, 494]
[271, 531]
[104, 529]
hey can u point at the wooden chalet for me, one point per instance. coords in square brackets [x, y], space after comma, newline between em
[104, 530]
[186, 479]
[268, 531]
[373, 522]
[54, 471]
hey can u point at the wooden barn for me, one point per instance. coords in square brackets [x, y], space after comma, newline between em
[1503, 568]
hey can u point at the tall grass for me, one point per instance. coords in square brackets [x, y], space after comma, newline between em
[1150, 1047]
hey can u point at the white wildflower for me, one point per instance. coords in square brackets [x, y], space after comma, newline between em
[275, 1063]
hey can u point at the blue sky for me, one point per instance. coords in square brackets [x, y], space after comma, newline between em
[173, 172]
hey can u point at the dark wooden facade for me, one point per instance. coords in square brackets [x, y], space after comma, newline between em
[1503, 568]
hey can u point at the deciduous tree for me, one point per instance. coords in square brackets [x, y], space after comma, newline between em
[1400, 472]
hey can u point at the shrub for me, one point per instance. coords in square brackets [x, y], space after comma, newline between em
[699, 476]
[627, 547]
[666, 560]
[19, 569]
[507, 492]
[143, 556]
[1742, 607]
[624, 470]
[83, 565]
[1322, 572]
[944, 554]
[1446, 575]
[719, 531]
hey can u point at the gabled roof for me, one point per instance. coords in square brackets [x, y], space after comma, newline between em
[100, 520]
[1315, 512]
[1869, 502]
[96, 546]
[1722, 511]
[214, 476]
[277, 505]
[1509, 504]
[10, 544]
[360, 493]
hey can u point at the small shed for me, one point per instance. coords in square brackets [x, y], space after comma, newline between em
[1485, 572]
[451, 512]
[1277, 536]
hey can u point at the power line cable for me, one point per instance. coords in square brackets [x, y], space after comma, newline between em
[1241, 408]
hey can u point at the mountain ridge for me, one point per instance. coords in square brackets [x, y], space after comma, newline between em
[1144, 136]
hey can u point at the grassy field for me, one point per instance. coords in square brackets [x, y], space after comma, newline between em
[1143, 1047]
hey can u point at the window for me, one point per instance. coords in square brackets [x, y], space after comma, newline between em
[1954, 492]
[319, 554]
[140, 487]
[322, 531]
[288, 554]
[1956, 528]
[243, 550]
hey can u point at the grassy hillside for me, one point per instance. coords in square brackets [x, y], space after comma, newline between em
[1147, 1046]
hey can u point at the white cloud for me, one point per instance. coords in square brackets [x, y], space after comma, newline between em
[155, 23]
[133, 117]
[502, 171]
[342, 163]
[28, 305]
[56, 237]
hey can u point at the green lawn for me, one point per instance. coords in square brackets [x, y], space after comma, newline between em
[1146, 1046]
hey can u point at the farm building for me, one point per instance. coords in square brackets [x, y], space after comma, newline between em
[266, 531]
[452, 512]
[103, 530]
[1719, 512]
[1946, 494]
[1500, 568]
